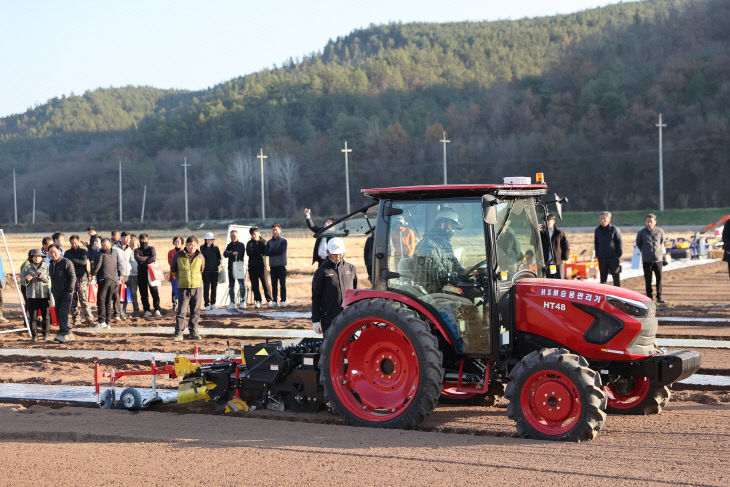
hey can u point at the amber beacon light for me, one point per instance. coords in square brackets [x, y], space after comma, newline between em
[539, 178]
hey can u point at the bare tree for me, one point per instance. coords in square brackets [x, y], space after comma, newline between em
[285, 173]
[242, 175]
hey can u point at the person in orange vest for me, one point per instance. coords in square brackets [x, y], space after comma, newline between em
[187, 266]
[402, 239]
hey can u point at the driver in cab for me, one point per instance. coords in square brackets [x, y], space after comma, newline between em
[435, 260]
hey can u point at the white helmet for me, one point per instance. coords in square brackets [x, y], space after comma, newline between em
[336, 246]
[209, 236]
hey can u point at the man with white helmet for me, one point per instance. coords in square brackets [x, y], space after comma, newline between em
[330, 283]
[212, 255]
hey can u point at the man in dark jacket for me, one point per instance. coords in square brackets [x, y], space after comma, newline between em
[63, 283]
[235, 252]
[80, 299]
[319, 254]
[255, 249]
[212, 255]
[106, 271]
[607, 243]
[650, 240]
[275, 249]
[146, 255]
[554, 247]
[330, 283]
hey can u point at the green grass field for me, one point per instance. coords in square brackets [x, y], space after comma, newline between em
[692, 216]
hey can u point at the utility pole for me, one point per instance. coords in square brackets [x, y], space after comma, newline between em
[661, 165]
[120, 191]
[33, 218]
[261, 157]
[347, 176]
[186, 166]
[445, 141]
[144, 200]
[15, 198]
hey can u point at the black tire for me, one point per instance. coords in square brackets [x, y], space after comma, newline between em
[130, 399]
[560, 375]
[651, 401]
[415, 337]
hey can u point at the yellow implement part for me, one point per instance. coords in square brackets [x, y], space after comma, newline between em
[236, 405]
[184, 366]
[193, 390]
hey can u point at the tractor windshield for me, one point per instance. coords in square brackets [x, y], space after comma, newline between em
[518, 237]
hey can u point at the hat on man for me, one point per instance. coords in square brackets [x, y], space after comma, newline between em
[336, 246]
[37, 253]
[209, 236]
[449, 215]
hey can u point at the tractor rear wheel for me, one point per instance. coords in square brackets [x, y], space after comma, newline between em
[380, 366]
[636, 396]
[554, 395]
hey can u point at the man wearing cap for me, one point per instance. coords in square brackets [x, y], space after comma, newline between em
[436, 264]
[330, 283]
[212, 255]
[37, 292]
[80, 299]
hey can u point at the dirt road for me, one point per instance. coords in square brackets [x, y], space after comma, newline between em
[44, 446]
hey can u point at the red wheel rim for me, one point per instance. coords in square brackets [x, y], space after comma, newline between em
[630, 399]
[374, 369]
[550, 402]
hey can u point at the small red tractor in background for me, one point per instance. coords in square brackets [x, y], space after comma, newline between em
[467, 314]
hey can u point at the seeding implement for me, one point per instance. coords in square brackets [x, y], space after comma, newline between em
[465, 315]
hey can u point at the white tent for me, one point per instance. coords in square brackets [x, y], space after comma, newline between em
[17, 288]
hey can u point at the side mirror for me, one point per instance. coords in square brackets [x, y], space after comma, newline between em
[559, 205]
[489, 209]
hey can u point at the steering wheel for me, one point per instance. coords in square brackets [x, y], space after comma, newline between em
[523, 274]
[476, 269]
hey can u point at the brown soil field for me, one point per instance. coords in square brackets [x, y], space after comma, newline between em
[194, 444]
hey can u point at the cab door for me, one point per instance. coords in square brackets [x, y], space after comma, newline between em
[443, 265]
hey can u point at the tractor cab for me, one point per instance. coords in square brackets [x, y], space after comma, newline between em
[455, 249]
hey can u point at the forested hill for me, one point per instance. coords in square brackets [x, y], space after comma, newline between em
[575, 96]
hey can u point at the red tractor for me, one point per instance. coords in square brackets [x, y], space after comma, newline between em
[459, 309]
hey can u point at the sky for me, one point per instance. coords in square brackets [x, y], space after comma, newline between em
[50, 48]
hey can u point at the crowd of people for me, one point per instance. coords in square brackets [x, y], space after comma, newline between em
[123, 269]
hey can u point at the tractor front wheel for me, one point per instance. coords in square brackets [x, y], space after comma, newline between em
[636, 396]
[380, 365]
[554, 395]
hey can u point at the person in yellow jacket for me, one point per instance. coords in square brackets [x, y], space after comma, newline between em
[187, 267]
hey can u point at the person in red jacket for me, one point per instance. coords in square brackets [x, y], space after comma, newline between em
[178, 243]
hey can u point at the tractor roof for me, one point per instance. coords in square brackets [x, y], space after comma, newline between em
[455, 190]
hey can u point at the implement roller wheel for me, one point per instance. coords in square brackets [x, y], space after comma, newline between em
[554, 395]
[380, 366]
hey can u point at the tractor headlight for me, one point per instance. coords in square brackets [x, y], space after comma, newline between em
[629, 306]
